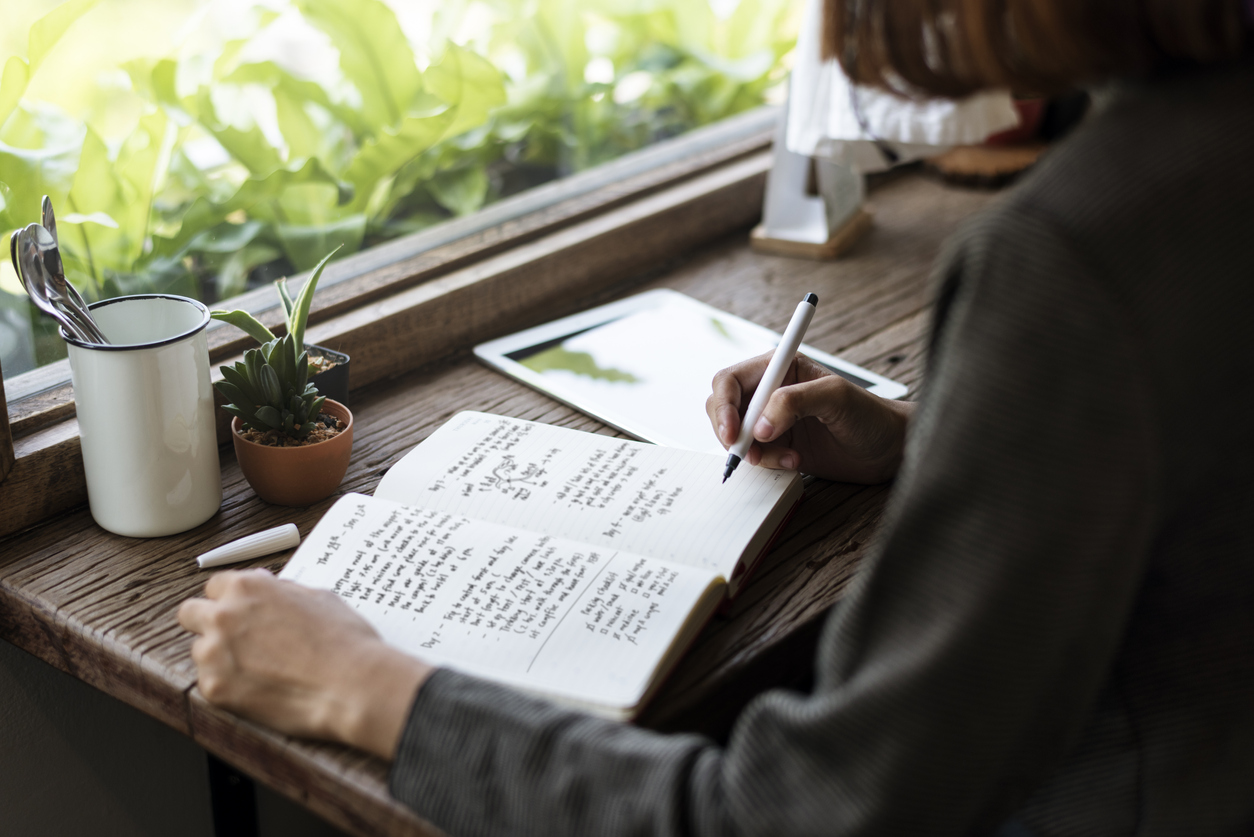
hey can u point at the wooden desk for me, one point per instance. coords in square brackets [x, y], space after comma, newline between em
[102, 607]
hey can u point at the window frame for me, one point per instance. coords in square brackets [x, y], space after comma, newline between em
[409, 302]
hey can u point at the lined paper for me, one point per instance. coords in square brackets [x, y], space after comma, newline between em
[535, 611]
[615, 493]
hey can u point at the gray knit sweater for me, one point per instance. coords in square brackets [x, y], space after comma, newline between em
[1057, 623]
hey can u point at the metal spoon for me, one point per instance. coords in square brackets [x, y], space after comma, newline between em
[58, 289]
[48, 219]
[52, 258]
[42, 287]
[50, 249]
[55, 267]
[39, 280]
[32, 270]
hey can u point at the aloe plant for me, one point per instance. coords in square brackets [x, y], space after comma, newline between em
[270, 390]
[295, 311]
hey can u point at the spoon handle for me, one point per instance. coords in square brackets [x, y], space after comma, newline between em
[90, 332]
[72, 325]
[82, 313]
[78, 299]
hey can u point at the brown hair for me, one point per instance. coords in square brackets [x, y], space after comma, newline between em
[955, 47]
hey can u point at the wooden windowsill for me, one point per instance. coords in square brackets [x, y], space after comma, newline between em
[43, 396]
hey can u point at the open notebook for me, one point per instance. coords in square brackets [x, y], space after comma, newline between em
[560, 562]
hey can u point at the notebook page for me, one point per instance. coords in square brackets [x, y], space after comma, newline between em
[663, 502]
[533, 611]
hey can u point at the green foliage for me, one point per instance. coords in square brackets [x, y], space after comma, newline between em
[374, 55]
[270, 390]
[37, 149]
[210, 191]
[43, 35]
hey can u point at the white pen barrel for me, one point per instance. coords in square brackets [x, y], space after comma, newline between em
[774, 375]
[253, 546]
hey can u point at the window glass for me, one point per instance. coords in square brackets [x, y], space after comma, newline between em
[206, 148]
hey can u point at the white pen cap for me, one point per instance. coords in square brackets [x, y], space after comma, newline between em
[252, 546]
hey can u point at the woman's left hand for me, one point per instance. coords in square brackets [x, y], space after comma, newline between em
[300, 661]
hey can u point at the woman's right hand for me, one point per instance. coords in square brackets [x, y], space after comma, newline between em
[816, 421]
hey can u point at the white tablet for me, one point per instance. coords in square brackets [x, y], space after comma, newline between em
[644, 364]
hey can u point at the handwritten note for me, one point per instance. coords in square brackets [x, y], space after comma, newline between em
[614, 493]
[533, 610]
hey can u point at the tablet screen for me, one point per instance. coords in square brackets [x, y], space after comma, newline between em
[650, 369]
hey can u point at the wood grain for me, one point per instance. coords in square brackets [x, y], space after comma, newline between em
[102, 607]
[47, 477]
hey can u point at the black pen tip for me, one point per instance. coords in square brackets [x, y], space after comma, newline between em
[732, 461]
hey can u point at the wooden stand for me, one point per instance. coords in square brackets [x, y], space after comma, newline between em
[839, 241]
[985, 166]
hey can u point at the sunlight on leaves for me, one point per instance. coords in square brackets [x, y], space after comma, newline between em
[228, 161]
[12, 85]
[49, 28]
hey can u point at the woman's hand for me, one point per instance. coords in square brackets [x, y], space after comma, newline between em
[815, 421]
[300, 661]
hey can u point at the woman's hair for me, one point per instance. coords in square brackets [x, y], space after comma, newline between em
[955, 47]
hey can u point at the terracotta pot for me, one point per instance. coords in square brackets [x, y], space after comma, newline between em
[298, 476]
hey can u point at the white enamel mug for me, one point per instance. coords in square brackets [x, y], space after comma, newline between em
[145, 416]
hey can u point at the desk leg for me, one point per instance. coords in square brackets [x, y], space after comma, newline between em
[234, 800]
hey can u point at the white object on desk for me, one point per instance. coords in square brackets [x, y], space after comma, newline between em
[252, 546]
[145, 416]
[771, 379]
[791, 215]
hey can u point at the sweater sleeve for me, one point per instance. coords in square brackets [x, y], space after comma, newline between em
[970, 652]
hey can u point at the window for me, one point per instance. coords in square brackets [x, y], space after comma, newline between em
[524, 257]
[205, 148]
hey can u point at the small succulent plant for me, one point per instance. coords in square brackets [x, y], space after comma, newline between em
[270, 390]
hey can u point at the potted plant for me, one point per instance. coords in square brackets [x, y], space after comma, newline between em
[328, 368]
[293, 443]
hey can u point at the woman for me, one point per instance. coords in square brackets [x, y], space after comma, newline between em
[1055, 633]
